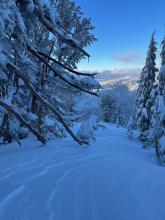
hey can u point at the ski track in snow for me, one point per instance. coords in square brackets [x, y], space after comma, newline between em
[112, 179]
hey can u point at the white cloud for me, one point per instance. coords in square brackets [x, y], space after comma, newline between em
[129, 57]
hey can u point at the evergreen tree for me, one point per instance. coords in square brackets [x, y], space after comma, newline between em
[30, 76]
[71, 17]
[142, 115]
[157, 136]
[110, 110]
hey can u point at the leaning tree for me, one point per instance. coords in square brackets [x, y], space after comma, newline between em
[32, 37]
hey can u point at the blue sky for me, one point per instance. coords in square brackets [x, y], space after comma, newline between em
[123, 30]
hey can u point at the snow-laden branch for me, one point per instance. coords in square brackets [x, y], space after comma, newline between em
[48, 22]
[11, 110]
[42, 100]
[34, 52]
[65, 67]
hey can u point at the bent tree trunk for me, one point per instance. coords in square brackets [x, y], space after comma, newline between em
[42, 100]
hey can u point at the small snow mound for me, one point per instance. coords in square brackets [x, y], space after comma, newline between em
[87, 130]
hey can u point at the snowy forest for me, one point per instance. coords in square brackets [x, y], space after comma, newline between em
[76, 144]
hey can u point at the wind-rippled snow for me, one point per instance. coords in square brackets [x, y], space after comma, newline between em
[112, 179]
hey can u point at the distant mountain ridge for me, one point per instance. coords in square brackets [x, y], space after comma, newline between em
[127, 77]
[122, 86]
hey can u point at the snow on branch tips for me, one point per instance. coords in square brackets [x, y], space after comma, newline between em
[30, 79]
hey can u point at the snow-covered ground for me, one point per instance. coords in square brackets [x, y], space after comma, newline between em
[128, 78]
[114, 178]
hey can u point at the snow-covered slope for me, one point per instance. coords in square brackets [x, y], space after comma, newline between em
[122, 86]
[109, 79]
[112, 179]
[128, 81]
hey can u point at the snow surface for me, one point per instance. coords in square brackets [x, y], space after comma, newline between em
[112, 179]
[128, 77]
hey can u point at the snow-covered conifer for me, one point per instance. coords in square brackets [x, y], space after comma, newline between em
[142, 115]
[30, 76]
[110, 110]
[158, 120]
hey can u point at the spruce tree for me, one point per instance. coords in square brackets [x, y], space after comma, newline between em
[157, 136]
[141, 117]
